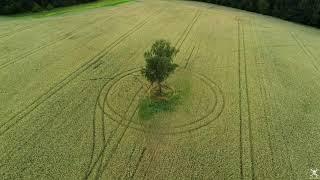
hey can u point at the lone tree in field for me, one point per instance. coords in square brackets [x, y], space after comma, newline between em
[159, 63]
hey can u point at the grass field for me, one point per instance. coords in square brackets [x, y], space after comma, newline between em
[70, 91]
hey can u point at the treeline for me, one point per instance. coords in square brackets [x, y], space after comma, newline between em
[17, 6]
[301, 11]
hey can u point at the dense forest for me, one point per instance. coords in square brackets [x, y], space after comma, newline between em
[301, 11]
[17, 6]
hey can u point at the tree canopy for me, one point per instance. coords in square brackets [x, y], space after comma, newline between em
[159, 62]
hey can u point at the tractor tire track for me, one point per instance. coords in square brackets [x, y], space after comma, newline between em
[35, 133]
[186, 32]
[98, 105]
[283, 136]
[151, 160]
[138, 163]
[114, 148]
[26, 141]
[127, 170]
[217, 92]
[37, 49]
[18, 30]
[263, 93]
[26, 27]
[101, 153]
[62, 37]
[132, 152]
[248, 106]
[24, 112]
[195, 48]
[240, 102]
[285, 143]
[268, 111]
[192, 62]
[121, 64]
[189, 57]
[119, 115]
[244, 102]
[306, 51]
[220, 111]
[190, 28]
[103, 107]
[103, 113]
[194, 51]
[94, 132]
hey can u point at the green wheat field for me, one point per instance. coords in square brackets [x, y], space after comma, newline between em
[72, 98]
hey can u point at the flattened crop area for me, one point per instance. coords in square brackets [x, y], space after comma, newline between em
[71, 88]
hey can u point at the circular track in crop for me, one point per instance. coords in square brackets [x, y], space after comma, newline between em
[204, 104]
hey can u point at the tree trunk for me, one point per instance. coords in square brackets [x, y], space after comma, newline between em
[150, 88]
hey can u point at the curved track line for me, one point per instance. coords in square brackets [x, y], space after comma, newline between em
[24, 112]
[100, 171]
[114, 148]
[200, 120]
[94, 133]
[203, 78]
[101, 154]
[97, 105]
[121, 76]
[93, 164]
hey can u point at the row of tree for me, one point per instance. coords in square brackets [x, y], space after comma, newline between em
[17, 6]
[301, 11]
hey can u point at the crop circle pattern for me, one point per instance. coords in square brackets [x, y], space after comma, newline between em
[112, 113]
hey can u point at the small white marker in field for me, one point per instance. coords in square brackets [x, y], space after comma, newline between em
[314, 174]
